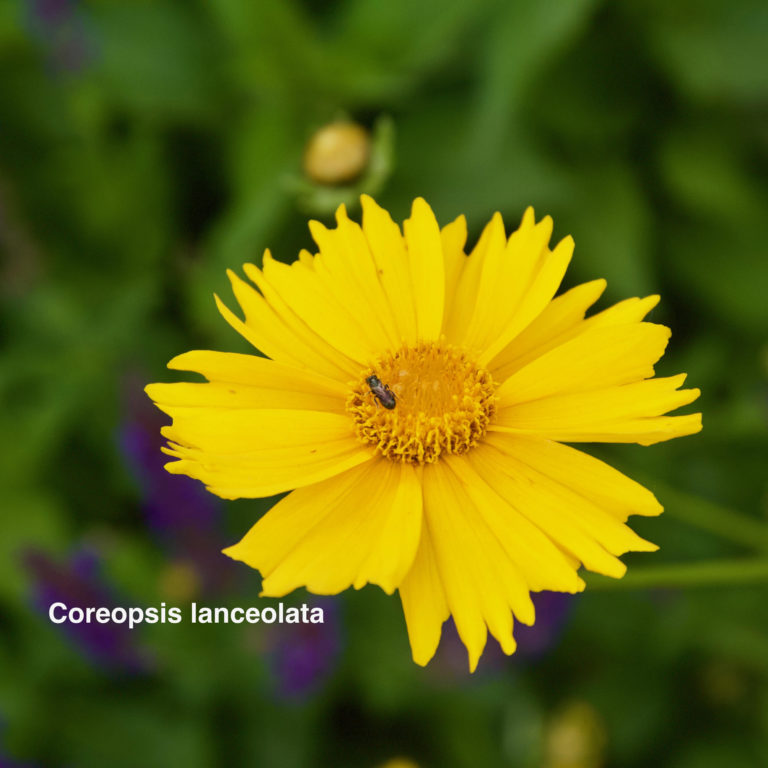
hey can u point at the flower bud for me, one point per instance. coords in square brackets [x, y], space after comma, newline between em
[337, 153]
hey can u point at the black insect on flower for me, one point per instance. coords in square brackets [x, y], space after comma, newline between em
[381, 392]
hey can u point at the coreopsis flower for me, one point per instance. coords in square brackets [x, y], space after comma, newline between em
[418, 401]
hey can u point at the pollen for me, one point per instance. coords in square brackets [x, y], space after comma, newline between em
[444, 403]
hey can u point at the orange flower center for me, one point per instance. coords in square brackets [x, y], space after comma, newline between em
[443, 403]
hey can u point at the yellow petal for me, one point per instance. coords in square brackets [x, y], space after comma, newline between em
[611, 533]
[640, 431]
[265, 331]
[491, 263]
[236, 368]
[247, 381]
[546, 331]
[586, 475]
[505, 284]
[391, 258]
[425, 255]
[424, 603]
[627, 311]
[490, 247]
[599, 358]
[563, 320]
[542, 288]
[252, 453]
[482, 585]
[454, 237]
[507, 279]
[544, 508]
[224, 395]
[323, 302]
[315, 351]
[540, 563]
[627, 413]
[353, 275]
[357, 528]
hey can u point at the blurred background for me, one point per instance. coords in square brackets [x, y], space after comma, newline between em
[148, 145]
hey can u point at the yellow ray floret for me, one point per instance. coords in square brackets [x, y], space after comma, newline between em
[415, 400]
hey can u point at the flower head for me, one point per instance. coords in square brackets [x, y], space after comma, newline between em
[417, 399]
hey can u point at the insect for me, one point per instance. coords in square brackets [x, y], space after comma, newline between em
[381, 392]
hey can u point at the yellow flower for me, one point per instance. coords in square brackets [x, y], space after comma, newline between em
[460, 494]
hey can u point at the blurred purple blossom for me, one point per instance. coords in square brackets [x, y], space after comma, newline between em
[302, 657]
[53, 11]
[552, 610]
[61, 27]
[183, 516]
[7, 762]
[79, 583]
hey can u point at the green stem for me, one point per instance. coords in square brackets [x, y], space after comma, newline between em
[707, 573]
[723, 522]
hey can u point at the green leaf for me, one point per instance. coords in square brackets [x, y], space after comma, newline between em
[715, 51]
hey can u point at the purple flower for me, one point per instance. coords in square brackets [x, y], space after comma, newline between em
[61, 28]
[183, 516]
[5, 759]
[6, 762]
[52, 12]
[552, 609]
[78, 583]
[302, 657]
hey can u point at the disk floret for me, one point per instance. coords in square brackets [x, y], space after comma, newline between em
[444, 403]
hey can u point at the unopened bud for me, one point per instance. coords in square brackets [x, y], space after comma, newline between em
[337, 153]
